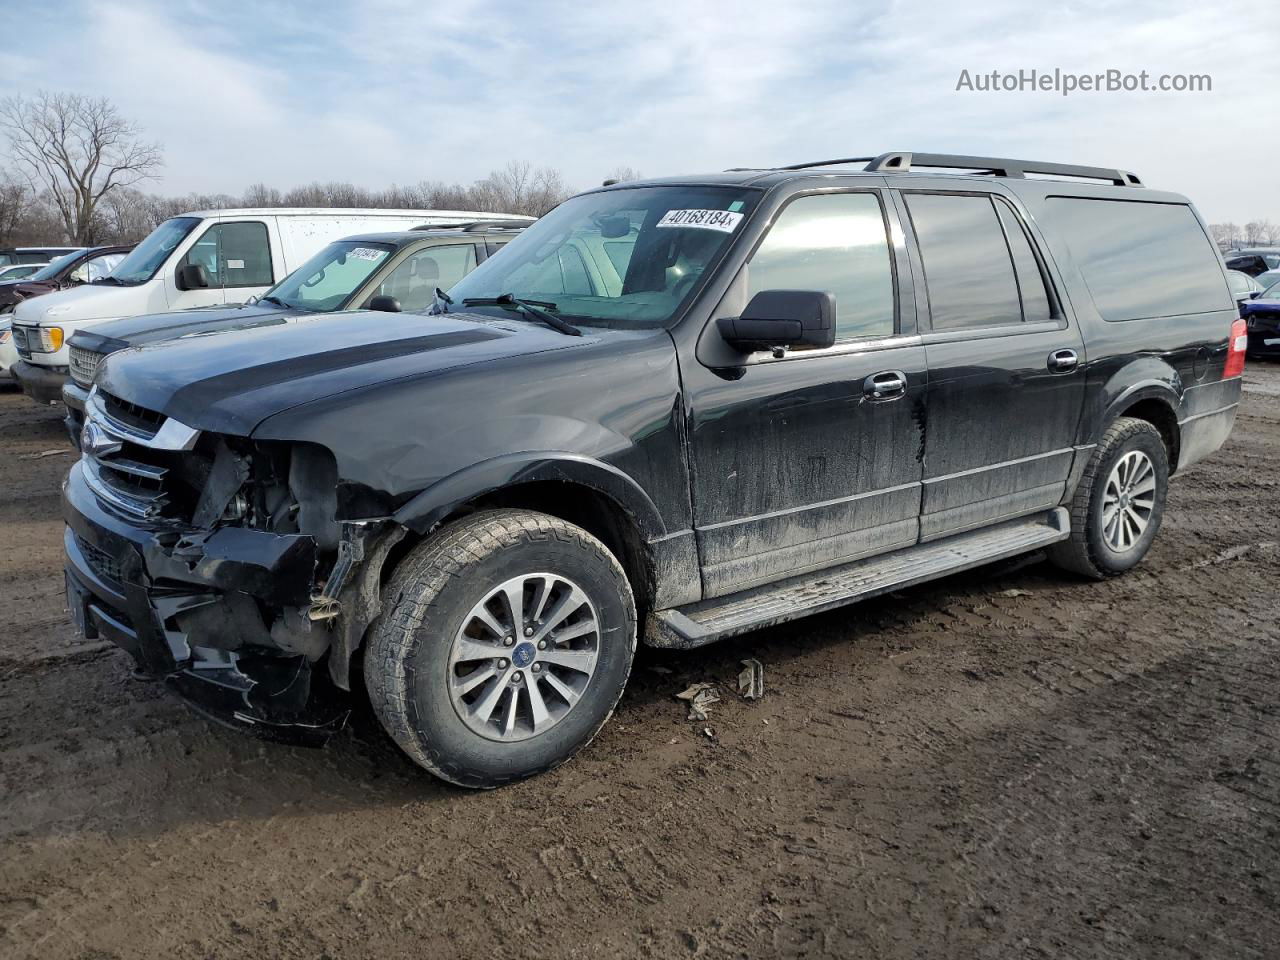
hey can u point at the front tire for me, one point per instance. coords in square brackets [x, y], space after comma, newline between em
[1118, 506]
[481, 693]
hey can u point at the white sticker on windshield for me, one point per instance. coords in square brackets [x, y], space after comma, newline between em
[722, 220]
[367, 253]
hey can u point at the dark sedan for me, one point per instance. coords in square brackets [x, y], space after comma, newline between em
[1263, 318]
[69, 270]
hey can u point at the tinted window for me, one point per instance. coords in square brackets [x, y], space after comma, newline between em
[966, 261]
[414, 281]
[234, 255]
[1141, 259]
[1031, 285]
[836, 243]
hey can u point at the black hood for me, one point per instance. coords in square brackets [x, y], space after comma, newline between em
[154, 327]
[232, 381]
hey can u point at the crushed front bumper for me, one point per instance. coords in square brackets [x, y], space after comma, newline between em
[189, 607]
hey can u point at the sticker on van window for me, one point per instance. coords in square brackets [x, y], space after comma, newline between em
[235, 264]
[367, 253]
[723, 220]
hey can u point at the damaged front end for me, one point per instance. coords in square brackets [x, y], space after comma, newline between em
[242, 572]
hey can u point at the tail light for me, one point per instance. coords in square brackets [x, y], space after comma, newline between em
[1236, 347]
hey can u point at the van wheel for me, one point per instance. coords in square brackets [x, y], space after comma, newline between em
[1117, 508]
[504, 644]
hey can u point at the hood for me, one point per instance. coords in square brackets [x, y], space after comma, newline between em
[155, 327]
[89, 301]
[15, 291]
[231, 382]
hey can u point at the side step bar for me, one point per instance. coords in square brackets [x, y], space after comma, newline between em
[711, 620]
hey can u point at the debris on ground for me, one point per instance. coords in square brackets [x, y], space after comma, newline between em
[751, 679]
[45, 453]
[1232, 553]
[1015, 593]
[699, 697]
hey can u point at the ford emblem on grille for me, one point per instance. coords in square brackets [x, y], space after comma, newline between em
[96, 442]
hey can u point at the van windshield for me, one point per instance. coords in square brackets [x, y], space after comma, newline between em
[629, 258]
[148, 256]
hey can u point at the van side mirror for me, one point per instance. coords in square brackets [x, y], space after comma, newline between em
[385, 304]
[192, 276]
[783, 318]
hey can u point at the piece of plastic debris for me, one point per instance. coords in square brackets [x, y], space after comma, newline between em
[709, 732]
[699, 697]
[751, 679]
[1016, 593]
[45, 453]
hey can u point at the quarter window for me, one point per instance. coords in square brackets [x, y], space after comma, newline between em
[836, 243]
[967, 267]
[1031, 286]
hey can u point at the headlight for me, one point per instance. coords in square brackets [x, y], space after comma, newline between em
[50, 339]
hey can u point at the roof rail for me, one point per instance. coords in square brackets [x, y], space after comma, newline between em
[903, 162]
[474, 226]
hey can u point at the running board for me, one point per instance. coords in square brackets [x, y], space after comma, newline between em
[710, 620]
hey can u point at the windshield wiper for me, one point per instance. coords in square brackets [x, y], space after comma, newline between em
[532, 308]
[439, 297]
[276, 300]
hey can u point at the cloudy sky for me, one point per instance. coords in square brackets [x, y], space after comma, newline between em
[397, 91]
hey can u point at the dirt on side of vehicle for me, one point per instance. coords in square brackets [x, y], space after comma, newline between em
[1010, 762]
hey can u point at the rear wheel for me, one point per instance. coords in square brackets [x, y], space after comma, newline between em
[1118, 506]
[504, 645]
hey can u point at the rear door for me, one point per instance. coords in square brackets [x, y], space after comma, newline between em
[1006, 368]
[805, 459]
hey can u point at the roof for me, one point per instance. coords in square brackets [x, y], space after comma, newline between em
[402, 238]
[353, 212]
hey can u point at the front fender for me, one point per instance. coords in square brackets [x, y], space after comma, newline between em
[433, 504]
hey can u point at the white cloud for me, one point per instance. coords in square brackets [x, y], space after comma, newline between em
[398, 90]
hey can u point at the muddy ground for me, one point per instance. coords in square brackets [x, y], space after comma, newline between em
[1007, 763]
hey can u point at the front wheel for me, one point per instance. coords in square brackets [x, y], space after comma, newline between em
[1118, 506]
[504, 644]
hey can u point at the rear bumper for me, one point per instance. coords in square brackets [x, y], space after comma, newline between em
[190, 609]
[42, 384]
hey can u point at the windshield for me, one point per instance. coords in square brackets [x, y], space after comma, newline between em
[50, 269]
[325, 281]
[148, 256]
[622, 258]
[1239, 282]
[1272, 292]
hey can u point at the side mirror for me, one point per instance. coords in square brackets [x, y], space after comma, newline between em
[192, 276]
[783, 318]
[385, 304]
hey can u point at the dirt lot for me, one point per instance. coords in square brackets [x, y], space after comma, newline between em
[1006, 763]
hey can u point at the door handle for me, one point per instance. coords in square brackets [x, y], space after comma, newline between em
[886, 385]
[1061, 361]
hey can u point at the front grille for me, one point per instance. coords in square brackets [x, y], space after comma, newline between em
[140, 463]
[84, 364]
[101, 562]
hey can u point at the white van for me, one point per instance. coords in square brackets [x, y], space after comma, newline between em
[200, 259]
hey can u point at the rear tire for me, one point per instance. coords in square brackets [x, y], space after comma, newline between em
[481, 696]
[1119, 503]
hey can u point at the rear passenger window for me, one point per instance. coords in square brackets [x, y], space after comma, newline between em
[1031, 285]
[1141, 259]
[967, 268]
[836, 243]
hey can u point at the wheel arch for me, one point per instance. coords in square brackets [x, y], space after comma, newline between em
[1157, 403]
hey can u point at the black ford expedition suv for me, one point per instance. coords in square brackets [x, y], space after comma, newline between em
[674, 410]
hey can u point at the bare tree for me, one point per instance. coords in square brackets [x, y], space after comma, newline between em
[519, 188]
[80, 149]
[623, 174]
[15, 197]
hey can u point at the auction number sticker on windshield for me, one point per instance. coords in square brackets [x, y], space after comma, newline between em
[723, 220]
[367, 253]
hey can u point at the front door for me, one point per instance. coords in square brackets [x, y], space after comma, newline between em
[812, 457]
[236, 256]
[1006, 368]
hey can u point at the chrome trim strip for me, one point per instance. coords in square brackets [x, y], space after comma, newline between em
[808, 506]
[997, 466]
[108, 494]
[172, 435]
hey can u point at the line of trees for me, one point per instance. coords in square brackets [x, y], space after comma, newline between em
[1256, 233]
[75, 163]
